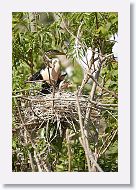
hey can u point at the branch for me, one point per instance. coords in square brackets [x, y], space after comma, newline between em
[32, 21]
[103, 88]
[84, 142]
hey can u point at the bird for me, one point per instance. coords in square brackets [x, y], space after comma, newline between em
[50, 71]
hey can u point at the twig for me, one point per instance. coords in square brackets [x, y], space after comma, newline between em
[83, 45]
[37, 162]
[106, 140]
[112, 115]
[101, 153]
[29, 153]
[76, 46]
[36, 81]
[66, 99]
[69, 150]
[103, 88]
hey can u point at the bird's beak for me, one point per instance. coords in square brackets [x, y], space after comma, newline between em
[61, 53]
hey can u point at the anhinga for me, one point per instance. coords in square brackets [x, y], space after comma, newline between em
[50, 73]
[51, 67]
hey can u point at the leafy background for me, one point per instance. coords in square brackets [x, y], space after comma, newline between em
[45, 31]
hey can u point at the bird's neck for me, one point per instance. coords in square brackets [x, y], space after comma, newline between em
[57, 67]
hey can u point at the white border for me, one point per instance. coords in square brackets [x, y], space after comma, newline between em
[6, 9]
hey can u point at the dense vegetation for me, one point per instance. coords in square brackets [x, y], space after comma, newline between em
[72, 33]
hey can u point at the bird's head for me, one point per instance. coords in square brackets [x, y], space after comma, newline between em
[53, 53]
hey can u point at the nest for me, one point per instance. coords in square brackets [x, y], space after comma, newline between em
[43, 122]
[61, 105]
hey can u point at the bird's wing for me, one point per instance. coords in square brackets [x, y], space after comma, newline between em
[36, 76]
[47, 74]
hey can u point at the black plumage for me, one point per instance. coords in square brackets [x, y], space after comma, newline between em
[47, 88]
[37, 76]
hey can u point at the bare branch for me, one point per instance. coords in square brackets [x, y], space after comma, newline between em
[85, 144]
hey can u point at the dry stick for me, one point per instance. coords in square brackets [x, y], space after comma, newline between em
[37, 162]
[108, 138]
[94, 83]
[92, 93]
[111, 136]
[47, 128]
[88, 114]
[77, 43]
[66, 99]
[53, 92]
[105, 108]
[88, 74]
[86, 77]
[103, 88]
[29, 153]
[112, 115]
[94, 86]
[69, 150]
[35, 81]
[85, 144]
[77, 40]
[91, 97]
[101, 153]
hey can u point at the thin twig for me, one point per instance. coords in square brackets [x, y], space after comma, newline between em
[103, 88]
[108, 145]
[69, 150]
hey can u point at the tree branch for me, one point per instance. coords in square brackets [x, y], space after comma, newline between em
[85, 144]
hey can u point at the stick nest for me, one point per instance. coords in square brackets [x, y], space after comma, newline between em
[62, 106]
